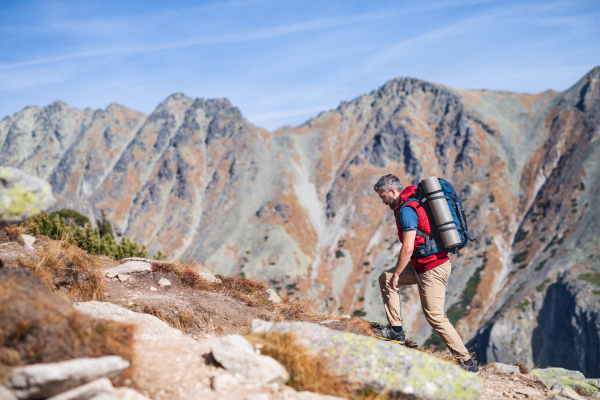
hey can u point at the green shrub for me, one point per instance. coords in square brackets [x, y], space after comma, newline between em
[104, 227]
[540, 288]
[521, 235]
[523, 305]
[520, 257]
[77, 218]
[87, 239]
[593, 277]
[339, 253]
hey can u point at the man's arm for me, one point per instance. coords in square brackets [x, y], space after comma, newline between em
[408, 245]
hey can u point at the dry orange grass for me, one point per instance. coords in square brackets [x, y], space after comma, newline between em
[183, 320]
[307, 372]
[61, 265]
[12, 233]
[36, 326]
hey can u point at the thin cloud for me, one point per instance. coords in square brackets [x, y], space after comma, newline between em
[259, 34]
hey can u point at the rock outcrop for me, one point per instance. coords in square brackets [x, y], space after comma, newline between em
[296, 206]
[22, 196]
[376, 364]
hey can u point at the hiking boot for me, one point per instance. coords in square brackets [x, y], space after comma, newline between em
[470, 366]
[390, 334]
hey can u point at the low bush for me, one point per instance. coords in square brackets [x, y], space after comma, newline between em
[87, 239]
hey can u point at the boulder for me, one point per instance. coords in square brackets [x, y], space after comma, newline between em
[131, 267]
[560, 378]
[505, 368]
[273, 296]
[88, 391]
[123, 277]
[377, 364]
[22, 196]
[236, 354]
[6, 394]
[45, 380]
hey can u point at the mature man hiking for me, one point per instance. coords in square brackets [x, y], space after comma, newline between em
[429, 273]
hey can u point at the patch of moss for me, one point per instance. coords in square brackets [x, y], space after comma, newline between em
[436, 342]
[492, 198]
[593, 277]
[540, 288]
[523, 305]
[339, 253]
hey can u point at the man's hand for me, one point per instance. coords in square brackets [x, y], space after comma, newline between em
[408, 245]
[394, 281]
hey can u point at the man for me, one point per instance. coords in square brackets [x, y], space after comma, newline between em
[429, 273]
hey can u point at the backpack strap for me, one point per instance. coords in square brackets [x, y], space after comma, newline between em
[430, 247]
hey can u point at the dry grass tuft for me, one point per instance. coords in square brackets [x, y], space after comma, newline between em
[12, 233]
[522, 368]
[307, 372]
[183, 320]
[61, 265]
[38, 327]
[186, 272]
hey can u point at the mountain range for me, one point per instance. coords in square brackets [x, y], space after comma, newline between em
[296, 206]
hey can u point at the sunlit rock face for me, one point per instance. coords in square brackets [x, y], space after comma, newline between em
[297, 207]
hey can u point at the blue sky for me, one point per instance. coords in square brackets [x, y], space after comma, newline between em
[282, 62]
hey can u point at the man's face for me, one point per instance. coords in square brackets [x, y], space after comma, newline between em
[390, 198]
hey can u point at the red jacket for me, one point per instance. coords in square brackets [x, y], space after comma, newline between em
[429, 262]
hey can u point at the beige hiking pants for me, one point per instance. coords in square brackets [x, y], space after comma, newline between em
[432, 291]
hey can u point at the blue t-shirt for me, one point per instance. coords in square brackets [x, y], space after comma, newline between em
[409, 219]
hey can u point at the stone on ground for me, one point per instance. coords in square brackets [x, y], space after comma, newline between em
[132, 267]
[273, 296]
[6, 394]
[528, 392]
[164, 283]
[45, 380]
[129, 394]
[236, 354]
[559, 378]
[224, 382]
[570, 394]
[87, 391]
[29, 241]
[209, 277]
[315, 396]
[22, 196]
[505, 368]
[380, 365]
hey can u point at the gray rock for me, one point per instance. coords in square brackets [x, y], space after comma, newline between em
[560, 378]
[528, 392]
[164, 283]
[111, 274]
[45, 380]
[29, 241]
[123, 277]
[131, 267]
[328, 321]
[273, 296]
[224, 382]
[557, 397]
[570, 394]
[22, 196]
[236, 354]
[209, 277]
[506, 368]
[129, 394]
[87, 391]
[379, 365]
[6, 394]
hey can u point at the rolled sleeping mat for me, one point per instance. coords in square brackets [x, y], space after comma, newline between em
[441, 212]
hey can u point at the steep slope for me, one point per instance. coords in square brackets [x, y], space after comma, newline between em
[296, 206]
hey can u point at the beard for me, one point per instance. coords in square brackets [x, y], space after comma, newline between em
[392, 205]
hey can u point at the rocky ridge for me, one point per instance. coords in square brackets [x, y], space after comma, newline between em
[296, 206]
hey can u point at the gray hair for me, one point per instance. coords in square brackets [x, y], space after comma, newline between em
[387, 183]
